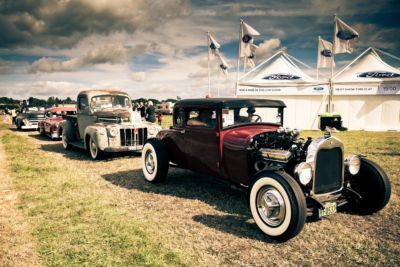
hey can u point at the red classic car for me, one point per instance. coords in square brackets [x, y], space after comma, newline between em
[51, 124]
[287, 178]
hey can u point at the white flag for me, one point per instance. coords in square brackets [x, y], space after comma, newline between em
[249, 61]
[214, 45]
[247, 39]
[325, 54]
[223, 66]
[344, 35]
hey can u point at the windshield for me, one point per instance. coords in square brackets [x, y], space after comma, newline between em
[237, 116]
[110, 101]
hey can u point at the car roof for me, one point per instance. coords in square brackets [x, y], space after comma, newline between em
[229, 103]
[55, 109]
[96, 92]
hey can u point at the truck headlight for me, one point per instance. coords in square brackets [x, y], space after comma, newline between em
[303, 171]
[113, 131]
[353, 164]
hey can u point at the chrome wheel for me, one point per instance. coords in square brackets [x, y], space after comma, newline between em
[271, 206]
[149, 162]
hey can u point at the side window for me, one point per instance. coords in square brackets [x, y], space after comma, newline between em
[83, 103]
[179, 116]
[201, 118]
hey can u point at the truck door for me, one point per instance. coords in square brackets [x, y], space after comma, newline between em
[83, 114]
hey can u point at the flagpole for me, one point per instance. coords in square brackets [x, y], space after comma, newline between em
[319, 40]
[238, 60]
[208, 64]
[332, 60]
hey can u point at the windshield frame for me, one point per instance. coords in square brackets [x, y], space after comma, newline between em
[112, 107]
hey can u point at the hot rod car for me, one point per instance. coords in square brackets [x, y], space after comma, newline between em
[105, 122]
[53, 117]
[287, 178]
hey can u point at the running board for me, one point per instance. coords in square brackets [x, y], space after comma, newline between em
[78, 144]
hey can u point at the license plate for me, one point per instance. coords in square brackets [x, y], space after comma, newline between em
[330, 208]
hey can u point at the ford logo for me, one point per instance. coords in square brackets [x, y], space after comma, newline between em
[213, 46]
[346, 35]
[222, 66]
[318, 88]
[378, 74]
[326, 53]
[281, 76]
[246, 38]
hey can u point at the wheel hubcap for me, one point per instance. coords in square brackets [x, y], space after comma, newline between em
[271, 206]
[149, 162]
[93, 148]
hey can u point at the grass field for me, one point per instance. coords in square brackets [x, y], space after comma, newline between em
[59, 208]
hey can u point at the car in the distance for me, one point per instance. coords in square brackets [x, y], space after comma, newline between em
[29, 117]
[287, 178]
[50, 126]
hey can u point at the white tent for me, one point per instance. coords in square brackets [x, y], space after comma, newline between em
[366, 93]
[280, 78]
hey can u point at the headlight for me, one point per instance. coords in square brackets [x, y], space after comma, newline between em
[353, 164]
[152, 130]
[25, 121]
[113, 131]
[102, 131]
[304, 172]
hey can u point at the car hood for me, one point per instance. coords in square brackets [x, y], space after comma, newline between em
[239, 137]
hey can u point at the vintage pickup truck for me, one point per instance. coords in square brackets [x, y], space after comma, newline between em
[105, 122]
[287, 178]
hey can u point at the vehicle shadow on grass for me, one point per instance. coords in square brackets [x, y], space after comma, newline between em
[190, 185]
[80, 154]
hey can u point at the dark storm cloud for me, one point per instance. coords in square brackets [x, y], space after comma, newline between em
[62, 24]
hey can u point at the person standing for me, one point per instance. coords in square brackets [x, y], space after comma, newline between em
[150, 112]
[159, 118]
[142, 110]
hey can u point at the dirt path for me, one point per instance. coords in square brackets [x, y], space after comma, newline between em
[210, 221]
[16, 243]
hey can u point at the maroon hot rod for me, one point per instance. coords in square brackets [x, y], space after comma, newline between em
[53, 117]
[287, 178]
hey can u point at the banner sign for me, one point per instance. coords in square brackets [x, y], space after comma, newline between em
[309, 90]
[380, 89]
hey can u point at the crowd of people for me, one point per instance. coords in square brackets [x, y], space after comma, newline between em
[148, 112]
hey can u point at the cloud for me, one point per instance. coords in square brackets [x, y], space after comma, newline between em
[109, 53]
[267, 47]
[64, 23]
[139, 76]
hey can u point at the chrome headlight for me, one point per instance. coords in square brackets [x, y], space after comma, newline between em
[113, 131]
[303, 171]
[152, 130]
[353, 164]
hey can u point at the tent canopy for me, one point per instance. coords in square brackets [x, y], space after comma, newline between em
[367, 68]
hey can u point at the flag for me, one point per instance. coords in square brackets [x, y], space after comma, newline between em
[223, 66]
[214, 45]
[344, 35]
[247, 39]
[325, 54]
[249, 61]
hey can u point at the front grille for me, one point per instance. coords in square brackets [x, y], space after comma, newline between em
[130, 137]
[328, 170]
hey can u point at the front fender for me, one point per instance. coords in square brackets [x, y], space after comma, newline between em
[99, 136]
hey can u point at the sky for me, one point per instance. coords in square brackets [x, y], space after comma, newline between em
[158, 49]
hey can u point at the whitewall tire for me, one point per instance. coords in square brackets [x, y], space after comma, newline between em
[155, 161]
[94, 150]
[277, 205]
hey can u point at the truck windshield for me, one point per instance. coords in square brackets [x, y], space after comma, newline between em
[237, 116]
[110, 101]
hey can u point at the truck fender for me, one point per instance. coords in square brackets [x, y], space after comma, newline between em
[96, 134]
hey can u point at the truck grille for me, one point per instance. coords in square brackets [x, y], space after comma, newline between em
[328, 170]
[131, 138]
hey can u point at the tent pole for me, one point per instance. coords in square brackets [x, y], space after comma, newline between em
[332, 59]
[319, 39]
[208, 64]
[387, 54]
[238, 60]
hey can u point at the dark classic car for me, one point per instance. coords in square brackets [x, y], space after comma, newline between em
[29, 117]
[287, 178]
[53, 117]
